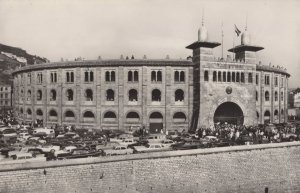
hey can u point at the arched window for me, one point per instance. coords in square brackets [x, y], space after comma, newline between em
[28, 95]
[214, 76]
[179, 95]
[242, 77]
[156, 95]
[39, 95]
[224, 76]
[156, 116]
[233, 77]
[159, 76]
[133, 117]
[282, 112]
[70, 95]
[281, 96]
[267, 117]
[110, 95]
[88, 95]
[110, 117]
[110, 114]
[133, 95]
[206, 77]
[52, 95]
[129, 76]
[276, 114]
[136, 76]
[69, 116]
[276, 96]
[107, 76]
[267, 96]
[113, 76]
[228, 76]
[176, 76]
[219, 76]
[88, 116]
[153, 76]
[179, 117]
[29, 112]
[257, 115]
[21, 110]
[39, 112]
[256, 96]
[182, 76]
[53, 113]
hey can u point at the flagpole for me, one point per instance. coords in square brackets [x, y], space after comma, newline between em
[233, 45]
[222, 42]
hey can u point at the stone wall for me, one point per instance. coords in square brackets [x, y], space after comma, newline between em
[256, 168]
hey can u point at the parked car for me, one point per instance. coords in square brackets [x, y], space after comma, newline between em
[156, 138]
[167, 143]
[151, 147]
[209, 141]
[245, 139]
[48, 132]
[9, 133]
[119, 150]
[23, 157]
[127, 142]
[289, 137]
[79, 153]
[187, 144]
[48, 148]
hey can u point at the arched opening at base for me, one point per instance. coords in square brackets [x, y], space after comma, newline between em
[229, 112]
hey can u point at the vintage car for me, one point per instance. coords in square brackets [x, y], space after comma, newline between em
[118, 150]
[151, 147]
[79, 153]
[187, 144]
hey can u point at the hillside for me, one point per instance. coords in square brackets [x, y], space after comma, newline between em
[12, 57]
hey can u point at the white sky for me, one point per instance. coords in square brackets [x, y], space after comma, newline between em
[89, 28]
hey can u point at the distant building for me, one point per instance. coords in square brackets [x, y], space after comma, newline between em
[159, 95]
[297, 100]
[5, 97]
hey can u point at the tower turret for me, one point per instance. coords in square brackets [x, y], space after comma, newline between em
[246, 51]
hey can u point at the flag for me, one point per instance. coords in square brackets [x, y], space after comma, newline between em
[237, 31]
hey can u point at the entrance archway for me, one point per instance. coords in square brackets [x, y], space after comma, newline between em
[229, 112]
[156, 122]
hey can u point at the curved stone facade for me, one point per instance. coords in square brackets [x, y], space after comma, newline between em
[156, 94]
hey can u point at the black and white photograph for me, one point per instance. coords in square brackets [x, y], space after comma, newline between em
[149, 96]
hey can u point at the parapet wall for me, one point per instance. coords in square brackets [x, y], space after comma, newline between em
[255, 168]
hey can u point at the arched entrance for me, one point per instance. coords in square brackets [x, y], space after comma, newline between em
[156, 122]
[229, 112]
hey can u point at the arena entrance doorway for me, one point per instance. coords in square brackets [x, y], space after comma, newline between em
[229, 112]
[156, 122]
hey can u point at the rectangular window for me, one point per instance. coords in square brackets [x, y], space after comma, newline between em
[6, 102]
[276, 81]
[70, 77]
[6, 95]
[53, 77]
[28, 78]
[88, 76]
[250, 78]
[206, 77]
[1, 96]
[267, 79]
[39, 78]
[257, 79]
[1, 89]
[282, 82]
[219, 76]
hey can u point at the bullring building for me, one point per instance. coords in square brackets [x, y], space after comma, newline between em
[156, 94]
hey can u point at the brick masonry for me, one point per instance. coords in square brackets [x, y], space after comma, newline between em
[255, 168]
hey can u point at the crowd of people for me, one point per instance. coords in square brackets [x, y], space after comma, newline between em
[258, 132]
